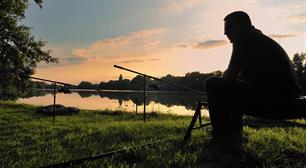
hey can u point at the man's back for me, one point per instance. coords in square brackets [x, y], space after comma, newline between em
[268, 80]
[264, 63]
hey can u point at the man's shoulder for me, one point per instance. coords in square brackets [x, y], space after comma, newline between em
[256, 38]
[259, 35]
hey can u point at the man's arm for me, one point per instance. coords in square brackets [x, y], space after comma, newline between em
[237, 60]
[231, 73]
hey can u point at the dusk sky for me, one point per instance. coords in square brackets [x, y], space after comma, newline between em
[157, 37]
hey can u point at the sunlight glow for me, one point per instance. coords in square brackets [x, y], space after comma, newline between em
[181, 37]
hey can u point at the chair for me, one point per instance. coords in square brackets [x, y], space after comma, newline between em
[283, 110]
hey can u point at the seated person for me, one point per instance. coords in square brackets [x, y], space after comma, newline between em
[259, 71]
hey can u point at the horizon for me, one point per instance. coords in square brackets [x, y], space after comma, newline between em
[152, 37]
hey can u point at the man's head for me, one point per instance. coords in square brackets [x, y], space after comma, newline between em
[234, 23]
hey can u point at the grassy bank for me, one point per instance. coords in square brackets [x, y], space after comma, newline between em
[31, 140]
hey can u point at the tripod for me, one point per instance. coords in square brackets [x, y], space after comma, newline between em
[196, 115]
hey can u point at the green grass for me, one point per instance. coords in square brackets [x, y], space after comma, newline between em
[31, 140]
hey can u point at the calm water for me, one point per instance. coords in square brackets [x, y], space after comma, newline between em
[165, 102]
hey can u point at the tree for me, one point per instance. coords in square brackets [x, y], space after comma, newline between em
[120, 78]
[19, 50]
[137, 82]
[298, 62]
[87, 85]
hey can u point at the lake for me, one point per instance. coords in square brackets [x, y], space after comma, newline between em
[180, 103]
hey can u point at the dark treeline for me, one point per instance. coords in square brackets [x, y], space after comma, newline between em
[299, 64]
[193, 80]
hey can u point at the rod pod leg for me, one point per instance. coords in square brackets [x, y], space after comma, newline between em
[193, 121]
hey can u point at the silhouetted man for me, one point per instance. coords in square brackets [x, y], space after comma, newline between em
[259, 72]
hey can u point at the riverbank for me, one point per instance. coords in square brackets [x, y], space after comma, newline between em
[31, 140]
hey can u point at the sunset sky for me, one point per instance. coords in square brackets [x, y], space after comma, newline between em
[157, 37]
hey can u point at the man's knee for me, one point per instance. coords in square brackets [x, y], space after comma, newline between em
[213, 83]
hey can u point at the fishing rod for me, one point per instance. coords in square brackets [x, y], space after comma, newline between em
[55, 90]
[111, 153]
[75, 162]
[53, 81]
[158, 79]
[78, 161]
[58, 82]
[197, 114]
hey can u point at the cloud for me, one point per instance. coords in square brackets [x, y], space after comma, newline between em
[296, 12]
[70, 60]
[75, 59]
[207, 44]
[117, 42]
[183, 45]
[79, 52]
[279, 36]
[152, 44]
[146, 33]
[298, 17]
[135, 43]
[138, 60]
[181, 5]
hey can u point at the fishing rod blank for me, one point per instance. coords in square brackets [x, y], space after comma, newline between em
[158, 79]
[78, 161]
[53, 81]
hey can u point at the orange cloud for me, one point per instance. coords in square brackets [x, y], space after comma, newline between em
[279, 36]
[146, 33]
[181, 5]
[210, 44]
[301, 16]
[79, 52]
[136, 43]
[152, 44]
[74, 59]
[138, 60]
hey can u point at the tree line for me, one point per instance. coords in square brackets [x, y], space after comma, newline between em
[193, 80]
[21, 51]
[299, 65]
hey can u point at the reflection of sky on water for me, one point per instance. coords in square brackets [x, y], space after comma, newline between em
[95, 102]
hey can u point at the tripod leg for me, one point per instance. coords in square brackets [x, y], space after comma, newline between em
[193, 120]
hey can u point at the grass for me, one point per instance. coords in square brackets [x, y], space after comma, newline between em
[31, 140]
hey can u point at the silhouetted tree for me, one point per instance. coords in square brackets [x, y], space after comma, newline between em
[137, 82]
[102, 85]
[299, 65]
[87, 85]
[120, 78]
[19, 50]
[124, 84]
[38, 85]
[170, 79]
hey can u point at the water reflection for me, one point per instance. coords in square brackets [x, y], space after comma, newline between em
[166, 102]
